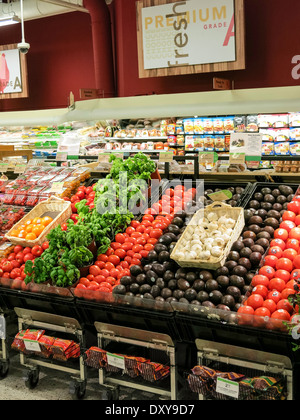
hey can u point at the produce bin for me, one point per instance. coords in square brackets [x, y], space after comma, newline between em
[257, 187]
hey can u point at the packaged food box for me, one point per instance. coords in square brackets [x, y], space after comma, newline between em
[268, 149]
[295, 148]
[281, 134]
[280, 120]
[282, 148]
[218, 125]
[188, 126]
[267, 134]
[189, 143]
[208, 126]
[199, 143]
[295, 133]
[180, 140]
[252, 123]
[198, 126]
[265, 120]
[209, 143]
[239, 124]
[172, 140]
[294, 119]
[220, 144]
[229, 124]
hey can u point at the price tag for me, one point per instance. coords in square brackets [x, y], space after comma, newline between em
[237, 158]
[104, 157]
[119, 155]
[32, 345]
[166, 157]
[229, 388]
[116, 361]
[2, 327]
[57, 187]
[208, 157]
[4, 167]
[61, 156]
[20, 168]
[220, 195]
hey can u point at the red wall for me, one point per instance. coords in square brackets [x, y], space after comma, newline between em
[60, 60]
[272, 39]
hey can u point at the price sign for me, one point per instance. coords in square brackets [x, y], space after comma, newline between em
[57, 187]
[220, 195]
[237, 158]
[229, 388]
[166, 157]
[61, 156]
[116, 361]
[20, 168]
[4, 167]
[32, 345]
[208, 157]
[104, 157]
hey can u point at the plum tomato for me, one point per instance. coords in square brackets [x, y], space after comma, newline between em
[267, 271]
[260, 279]
[281, 234]
[284, 264]
[270, 305]
[277, 284]
[282, 274]
[296, 261]
[255, 301]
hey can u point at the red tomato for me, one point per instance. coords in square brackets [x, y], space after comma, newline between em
[295, 233]
[115, 245]
[136, 235]
[104, 272]
[263, 311]
[108, 266]
[270, 260]
[275, 295]
[270, 305]
[294, 206]
[152, 241]
[297, 220]
[255, 300]
[124, 264]
[262, 290]
[259, 279]
[130, 239]
[144, 253]
[157, 207]
[28, 256]
[287, 292]
[127, 246]
[18, 248]
[135, 261]
[281, 234]
[276, 250]
[128, 259]
[141, 241]
[93, 286]
[169, 192]
[296, 261]
[278, 242]
[277, 284]
[146, 223]
[290, 284]
[245, 315]
[114, 259]
[137, 256]
[137, 248]
[135, 224]
[37, 251]
[121, 253]
[281, 314]
[151, 211]
[45, 245]
[148, 217]
[290, 254]
[295, 274]
[140, 229]
[156, 233]
[293, 244]
[246, 310]
[284, 264]
[109, 252]
[84, 281]
[120, 237]
[289, 215]
[282, 274]
[130, 230]
[95, 270]
[285, 304]
[100, 264]
[287, 225]
[114, 273]
[11, 256]
[102, 257]
[267, 271]
[27, 250]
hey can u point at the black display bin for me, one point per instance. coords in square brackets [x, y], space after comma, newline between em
[257, 187]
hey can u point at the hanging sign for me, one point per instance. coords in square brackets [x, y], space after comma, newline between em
[192, 36]
[13, 73]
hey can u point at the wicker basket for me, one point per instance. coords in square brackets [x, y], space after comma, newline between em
[221, 209]
[60, 210]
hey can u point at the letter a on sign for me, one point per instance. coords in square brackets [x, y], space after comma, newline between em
[230, 32]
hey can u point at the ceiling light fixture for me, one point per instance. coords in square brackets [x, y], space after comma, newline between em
[11, 20]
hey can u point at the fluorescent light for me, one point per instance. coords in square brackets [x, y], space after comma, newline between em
[9, 20]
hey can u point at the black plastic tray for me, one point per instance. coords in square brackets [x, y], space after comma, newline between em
[259, 185]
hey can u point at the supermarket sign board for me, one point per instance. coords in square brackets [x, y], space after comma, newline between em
[13, 73]
[192, 36]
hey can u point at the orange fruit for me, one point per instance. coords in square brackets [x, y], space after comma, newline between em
[30, 236]
[14, 233]
[28, 222]
[47, 220]
[29, 228]
[22, 234]
[38, 229]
